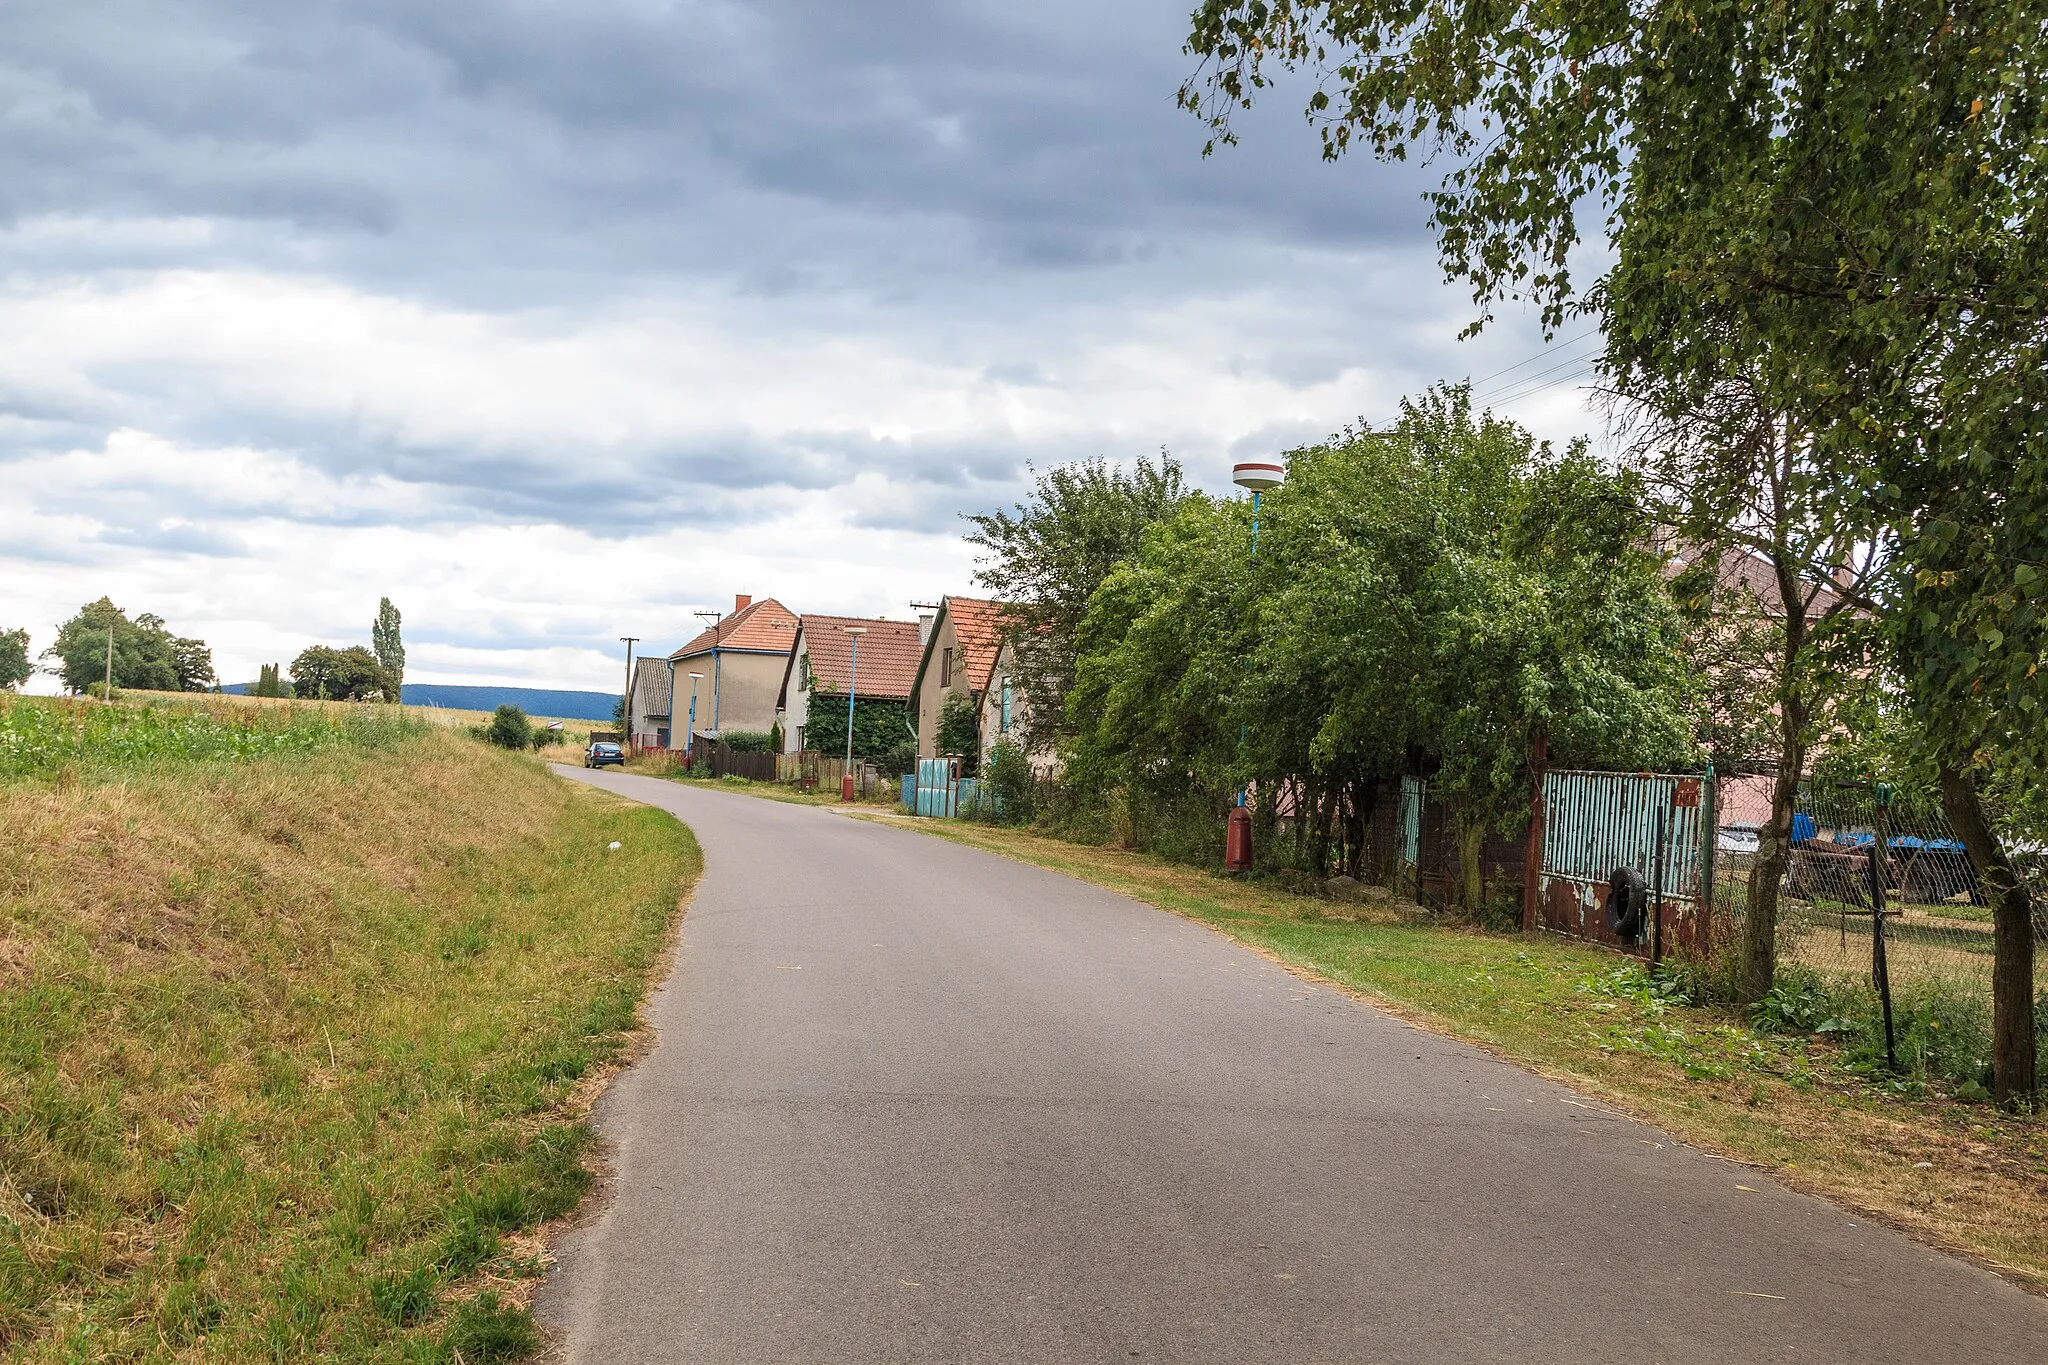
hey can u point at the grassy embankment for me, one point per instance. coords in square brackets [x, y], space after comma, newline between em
[299, 1008]
[1959, 1175]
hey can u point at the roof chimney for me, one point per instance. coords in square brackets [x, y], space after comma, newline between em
[924, 628]
[740, 602]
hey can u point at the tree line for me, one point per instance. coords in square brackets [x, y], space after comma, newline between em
[102, 644]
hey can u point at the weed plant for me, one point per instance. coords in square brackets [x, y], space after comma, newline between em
[292, 1020]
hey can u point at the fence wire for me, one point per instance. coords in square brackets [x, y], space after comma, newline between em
[1851, 854]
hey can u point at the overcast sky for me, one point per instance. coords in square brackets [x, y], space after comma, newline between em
[559, 320]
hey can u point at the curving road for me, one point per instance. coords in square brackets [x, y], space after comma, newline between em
[914, 1102]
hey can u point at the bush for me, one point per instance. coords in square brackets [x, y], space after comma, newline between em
[509, 728]
[960, 731]
[749, 741]
[1010, 779]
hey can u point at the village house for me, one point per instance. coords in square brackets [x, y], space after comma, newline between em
[647, 721]
[742, 657]
[822, 660]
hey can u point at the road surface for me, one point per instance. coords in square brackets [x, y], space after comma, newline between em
[915, 1102]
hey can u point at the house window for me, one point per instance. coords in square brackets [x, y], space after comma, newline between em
[1006, 705]
[945, 668]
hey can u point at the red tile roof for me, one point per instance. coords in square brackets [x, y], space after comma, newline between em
[765, 626]
[888, 654]
[979, 627]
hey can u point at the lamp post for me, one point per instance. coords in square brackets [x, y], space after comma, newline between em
[852, 683]
[690, 742]
[1258, 476]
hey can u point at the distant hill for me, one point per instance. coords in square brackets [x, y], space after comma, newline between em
[535, 701]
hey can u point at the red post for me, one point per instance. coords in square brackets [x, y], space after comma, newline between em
[1532, 855]
[846, 787]
[1237, 841]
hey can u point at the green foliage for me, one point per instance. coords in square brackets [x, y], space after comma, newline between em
[146, 656]
[881, 730]
[41, 736]
[387, 646]
[1045, 561]
[960, 730]
[15, 668]
[353, 674]
[509, 728]
[1840, 211]
[1798, 1005]
[748, 741]
[1010, 781]
[269, 684]
[1427, 598]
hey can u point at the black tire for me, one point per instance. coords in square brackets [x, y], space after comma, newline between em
[1628, 897]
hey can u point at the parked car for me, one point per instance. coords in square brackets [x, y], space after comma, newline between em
[604, 753]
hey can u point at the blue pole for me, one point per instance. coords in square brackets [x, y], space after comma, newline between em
[690, 742]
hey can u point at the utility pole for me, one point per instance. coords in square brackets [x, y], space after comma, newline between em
[626, 723]
[852, 685]
[717, 619]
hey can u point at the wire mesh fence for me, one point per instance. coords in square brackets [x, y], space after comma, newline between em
[1868, 875]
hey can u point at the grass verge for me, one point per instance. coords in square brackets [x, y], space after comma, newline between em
[1961, 1176]
[294, 1048]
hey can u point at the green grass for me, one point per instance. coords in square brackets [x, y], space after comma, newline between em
[1808, 1106]
[294, 1046]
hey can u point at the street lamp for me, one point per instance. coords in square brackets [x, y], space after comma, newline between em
[1258, 476]
[690, 742]
[852, 683]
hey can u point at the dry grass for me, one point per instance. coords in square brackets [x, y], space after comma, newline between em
[288, 1047]
[1564, 1010]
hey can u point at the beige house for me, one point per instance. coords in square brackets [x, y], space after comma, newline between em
[1006, 712]
[822, 660]
[960, 651]
[742, 657]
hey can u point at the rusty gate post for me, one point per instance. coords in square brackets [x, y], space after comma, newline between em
[1532, 853]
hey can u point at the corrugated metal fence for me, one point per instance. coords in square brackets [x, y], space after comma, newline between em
[1595, 823]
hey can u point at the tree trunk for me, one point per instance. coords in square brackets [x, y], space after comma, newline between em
[1471, 881]
[2012, 937]
[1759, 965]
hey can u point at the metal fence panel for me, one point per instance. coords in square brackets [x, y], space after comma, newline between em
[1594, 823]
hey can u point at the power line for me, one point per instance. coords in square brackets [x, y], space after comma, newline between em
[1543, 354]
[1573, 363]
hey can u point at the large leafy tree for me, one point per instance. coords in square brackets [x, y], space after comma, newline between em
[1425, 600]
[1045, 558]
[353, 674]
[1841, 202]
[15, 668]
[146, 655]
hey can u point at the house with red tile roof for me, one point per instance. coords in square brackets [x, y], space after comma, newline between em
[959, 655]
[740, 659]
[822, 660]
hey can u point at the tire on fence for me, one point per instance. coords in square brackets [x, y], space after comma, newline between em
[1628, 896]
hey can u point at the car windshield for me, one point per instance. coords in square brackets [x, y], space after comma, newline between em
[606, 748]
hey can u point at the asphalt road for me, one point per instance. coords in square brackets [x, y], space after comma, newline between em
[914, 1102]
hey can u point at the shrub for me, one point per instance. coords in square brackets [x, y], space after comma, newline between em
[960, 731]
[749, 741]
[1010, 779]
[509, 728]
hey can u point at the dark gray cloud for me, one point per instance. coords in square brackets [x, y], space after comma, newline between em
[494, 148]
